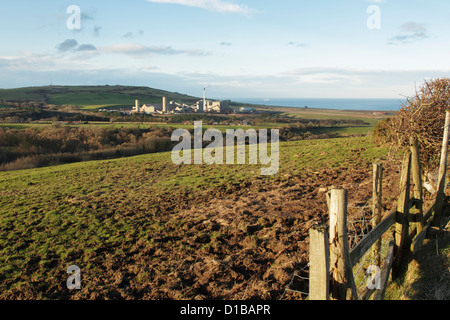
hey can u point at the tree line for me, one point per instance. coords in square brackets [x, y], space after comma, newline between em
[30, 148]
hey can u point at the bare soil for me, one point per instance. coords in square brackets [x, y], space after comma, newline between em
[246, 242]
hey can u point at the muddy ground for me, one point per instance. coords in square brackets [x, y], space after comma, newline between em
[246, 242]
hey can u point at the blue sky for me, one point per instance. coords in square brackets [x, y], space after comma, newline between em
[237, 48]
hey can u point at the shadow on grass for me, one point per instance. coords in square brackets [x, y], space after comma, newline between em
[428, 274]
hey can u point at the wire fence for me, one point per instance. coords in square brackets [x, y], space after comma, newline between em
[363, 271]
[299, 283]
[360, 220]
[359, 223]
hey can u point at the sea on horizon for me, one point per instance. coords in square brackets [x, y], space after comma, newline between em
[338, 104]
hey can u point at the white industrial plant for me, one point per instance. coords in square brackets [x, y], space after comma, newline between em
[171, 107]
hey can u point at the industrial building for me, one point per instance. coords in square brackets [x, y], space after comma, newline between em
[211, 106]
[202, 106]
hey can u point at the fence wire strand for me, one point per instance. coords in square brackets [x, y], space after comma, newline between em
[294, 276]
[359, 219]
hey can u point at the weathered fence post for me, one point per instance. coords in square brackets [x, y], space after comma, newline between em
[442, 174]
[416, 170]
[319, 264]
[402, 218]
[340, 266]
[377, 208]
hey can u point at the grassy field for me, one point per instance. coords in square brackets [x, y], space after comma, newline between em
[323, 114]
[105, 215]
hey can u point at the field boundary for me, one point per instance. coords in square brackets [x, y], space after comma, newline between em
[332, 262]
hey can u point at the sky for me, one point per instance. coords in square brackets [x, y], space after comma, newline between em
[234, 48]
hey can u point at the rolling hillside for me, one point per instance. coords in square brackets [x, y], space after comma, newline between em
[91, 97]
[145, 228]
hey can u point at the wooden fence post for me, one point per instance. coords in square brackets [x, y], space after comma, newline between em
[402, 218]
[340, 266]
[319, 264]
[377, 208]
[442, 174]
[416, 172]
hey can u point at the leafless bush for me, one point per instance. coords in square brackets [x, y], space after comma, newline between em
[421, 117]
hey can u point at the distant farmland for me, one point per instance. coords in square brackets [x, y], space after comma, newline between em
[92, 97]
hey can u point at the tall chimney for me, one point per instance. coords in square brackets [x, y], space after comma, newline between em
[164, 105]
[205, 107]
[137, 106]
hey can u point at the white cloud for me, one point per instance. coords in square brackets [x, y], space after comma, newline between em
[324, 82]
[45, 62]
[301, 44]
[412, 32]
[67, 45]
[311, 82]
[211, 5]
[72, 45]
[413, 27]
[141, 50]
[86, 47]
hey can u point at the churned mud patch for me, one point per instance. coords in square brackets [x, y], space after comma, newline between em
[242, 241]
[248, 244]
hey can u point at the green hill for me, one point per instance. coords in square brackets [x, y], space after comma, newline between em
[91, 97]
